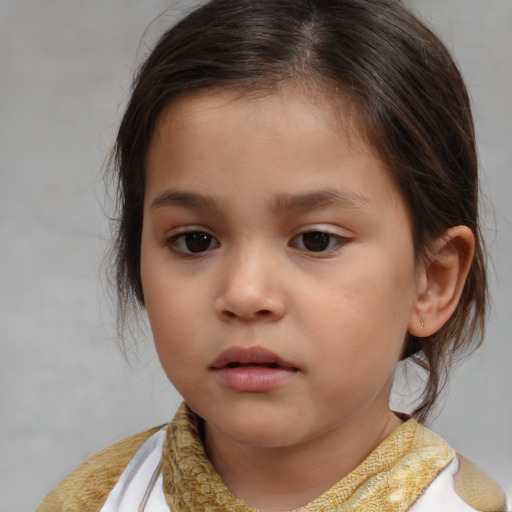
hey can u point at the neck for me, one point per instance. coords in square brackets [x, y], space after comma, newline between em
[290, 477]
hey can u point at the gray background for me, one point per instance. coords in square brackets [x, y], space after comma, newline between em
[65, 389]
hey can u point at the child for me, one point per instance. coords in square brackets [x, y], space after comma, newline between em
[298, 212]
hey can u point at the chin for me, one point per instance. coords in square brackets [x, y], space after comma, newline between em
[258, 437]
[254, 430]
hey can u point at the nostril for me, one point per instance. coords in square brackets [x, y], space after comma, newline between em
[261, 314]
[248, 308]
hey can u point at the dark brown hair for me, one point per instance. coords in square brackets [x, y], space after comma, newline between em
[411, 104]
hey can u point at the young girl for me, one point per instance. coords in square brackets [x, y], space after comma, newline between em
[298, 213]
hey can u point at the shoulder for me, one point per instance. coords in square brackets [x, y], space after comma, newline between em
[86, 488]
[461, 487]
[478, 489]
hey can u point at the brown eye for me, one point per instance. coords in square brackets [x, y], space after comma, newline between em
[317, 241]
[193, 242]
[197, 242]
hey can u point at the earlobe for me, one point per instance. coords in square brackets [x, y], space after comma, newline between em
[441, 280]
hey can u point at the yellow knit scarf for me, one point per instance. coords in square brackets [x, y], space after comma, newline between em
[391, 478]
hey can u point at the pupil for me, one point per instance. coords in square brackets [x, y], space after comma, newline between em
[198, 242]
[316, 241]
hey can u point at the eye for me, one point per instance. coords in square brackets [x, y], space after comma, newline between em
[317, 241]
[193, 242]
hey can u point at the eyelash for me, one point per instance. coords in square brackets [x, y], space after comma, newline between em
[180, 242]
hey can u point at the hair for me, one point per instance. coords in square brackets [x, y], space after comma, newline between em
[411, 106]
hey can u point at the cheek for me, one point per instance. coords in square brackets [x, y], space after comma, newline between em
[164, 294]
[364, 313]
[162, 308]
[172, 321]
[177, 313]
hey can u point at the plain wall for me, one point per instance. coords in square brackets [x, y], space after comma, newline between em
[65, 389]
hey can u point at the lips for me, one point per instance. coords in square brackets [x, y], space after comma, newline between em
[257, 356]
[252, 369]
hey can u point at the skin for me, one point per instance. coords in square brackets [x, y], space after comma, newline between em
[339, 316]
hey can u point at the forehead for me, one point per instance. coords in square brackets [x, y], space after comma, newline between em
[286, 141]
[336, 109]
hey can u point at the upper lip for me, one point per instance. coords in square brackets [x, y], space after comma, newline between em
[250, 355]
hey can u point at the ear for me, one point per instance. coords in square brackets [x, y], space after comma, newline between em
[441, 279]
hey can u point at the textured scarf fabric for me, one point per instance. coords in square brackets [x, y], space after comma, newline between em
[86, 488]
[391, 478]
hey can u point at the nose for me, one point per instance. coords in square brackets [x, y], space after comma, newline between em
[250, 291]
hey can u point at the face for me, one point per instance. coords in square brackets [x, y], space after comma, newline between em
[277, 265]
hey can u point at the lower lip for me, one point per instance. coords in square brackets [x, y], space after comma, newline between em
[254, 379]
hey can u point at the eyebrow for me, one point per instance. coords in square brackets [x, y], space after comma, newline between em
[188, 200]
[321, 199]
[280, 203]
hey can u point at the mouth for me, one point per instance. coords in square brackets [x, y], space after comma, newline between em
[252, 369]
[250, 357]
[252, 365]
